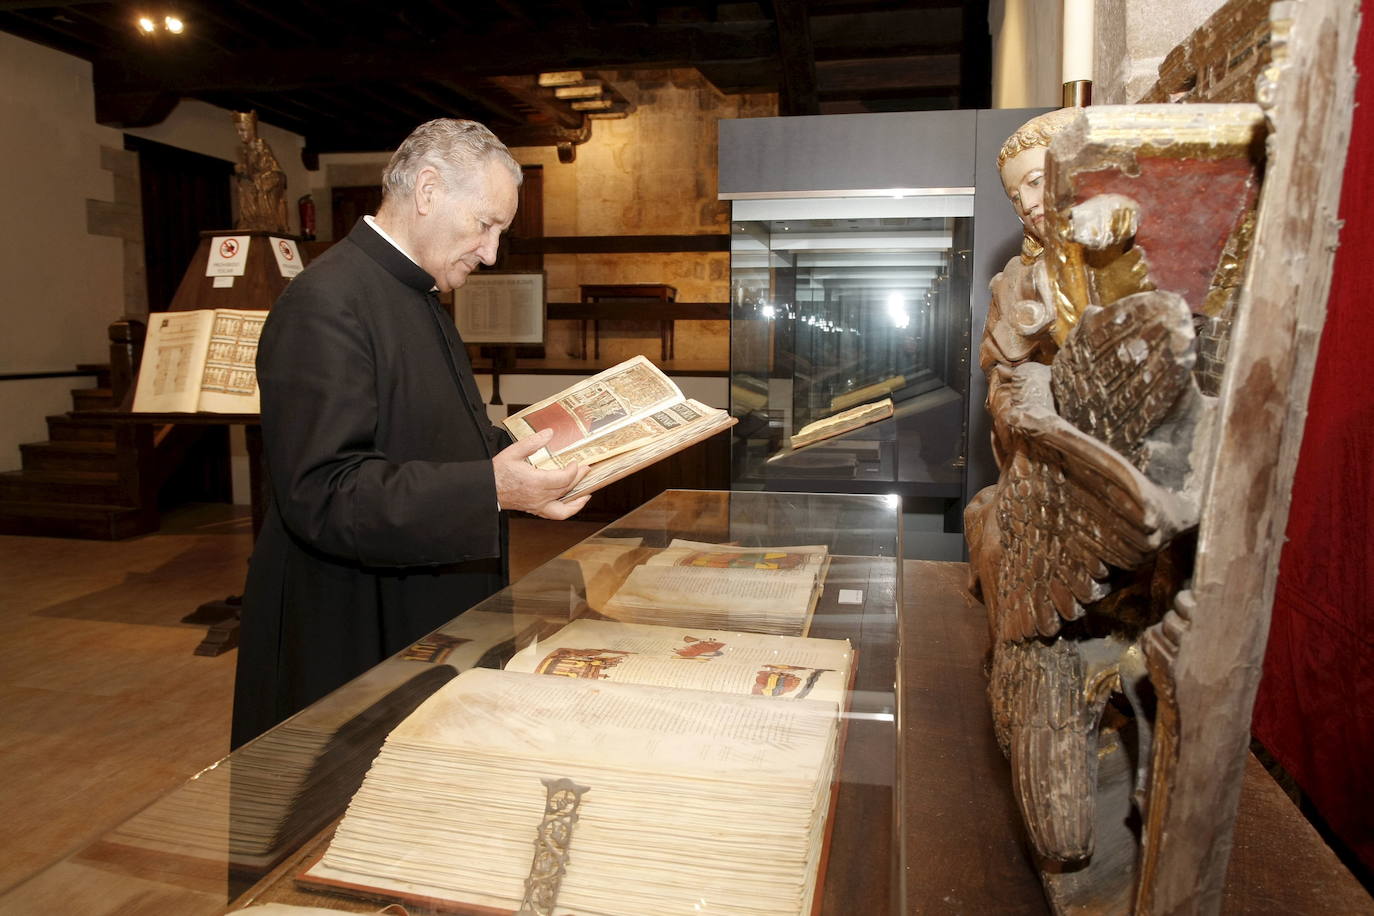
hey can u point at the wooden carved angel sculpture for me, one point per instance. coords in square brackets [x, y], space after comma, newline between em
[259, 182]
[1100, 435]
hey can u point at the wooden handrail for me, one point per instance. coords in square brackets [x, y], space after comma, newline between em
[126, 349]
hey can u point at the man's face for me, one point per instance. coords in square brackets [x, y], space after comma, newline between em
[1023, 178]
[462, 226]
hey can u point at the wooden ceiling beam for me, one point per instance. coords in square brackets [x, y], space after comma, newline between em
[280, 22]
[889, 94]
[892, 73]
[860, 7]
[11, 6]
[441, 107]
[622, 46]
[350, 141]
[546, 136]
[475, 94]
[516, 12]
[229, 24]
[36, 26]
[528, 91]
[446, 11]
[797, 62]
[882, 52]
[975, 57]
[398, 102]
[878, 52]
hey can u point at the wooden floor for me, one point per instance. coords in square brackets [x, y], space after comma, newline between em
[103, 706]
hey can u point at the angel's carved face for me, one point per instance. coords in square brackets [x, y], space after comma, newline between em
[1023, 178]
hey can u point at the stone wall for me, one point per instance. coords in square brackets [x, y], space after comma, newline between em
[653, 173]
[1133, 38]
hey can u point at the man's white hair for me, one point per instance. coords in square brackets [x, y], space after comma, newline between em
[455, 148]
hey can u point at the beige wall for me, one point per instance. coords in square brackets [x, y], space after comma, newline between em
[1025, 52]
[653, 173]
[62, 286]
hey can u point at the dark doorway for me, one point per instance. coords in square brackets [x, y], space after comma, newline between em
[351, 204]
[183, 193]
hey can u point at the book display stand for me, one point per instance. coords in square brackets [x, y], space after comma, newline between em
[232, 269]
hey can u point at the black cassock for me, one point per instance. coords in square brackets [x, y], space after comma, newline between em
[382, 521]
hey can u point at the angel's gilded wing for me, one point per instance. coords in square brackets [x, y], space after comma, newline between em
[1124, 367]
[1073, 501]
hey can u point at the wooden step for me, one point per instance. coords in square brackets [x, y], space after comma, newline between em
[101, 371]
[66, 428]
[68, 520]
[92, 398]
[95, 488]
[70, 455]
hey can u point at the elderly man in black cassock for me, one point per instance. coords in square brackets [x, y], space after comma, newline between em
[388, 480]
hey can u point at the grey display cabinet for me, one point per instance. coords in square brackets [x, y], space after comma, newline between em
[862, 248]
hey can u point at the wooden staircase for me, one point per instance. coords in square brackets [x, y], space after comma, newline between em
[71, 485]
[93, 477]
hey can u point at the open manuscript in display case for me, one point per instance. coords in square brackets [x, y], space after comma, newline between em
[842, 422]
[670, 783]
[771, 590]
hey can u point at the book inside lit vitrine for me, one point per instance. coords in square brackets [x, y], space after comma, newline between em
[839, 305]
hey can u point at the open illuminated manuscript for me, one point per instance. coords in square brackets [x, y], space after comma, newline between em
[616, 422]
[610, 769]
[1148, 354]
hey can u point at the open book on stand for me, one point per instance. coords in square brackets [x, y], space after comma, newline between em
[842, 422]
[201, 360]
[617, 422]
[661, 797]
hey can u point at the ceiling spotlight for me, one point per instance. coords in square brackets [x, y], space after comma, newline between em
[174, 25]
[147, 25]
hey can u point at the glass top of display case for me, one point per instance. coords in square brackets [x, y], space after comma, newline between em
[717, 735]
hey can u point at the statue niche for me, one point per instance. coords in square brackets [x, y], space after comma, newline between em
[1135, 219]
[259, 182]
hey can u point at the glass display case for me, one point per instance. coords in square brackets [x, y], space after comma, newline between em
[254, 827]
[837, 302]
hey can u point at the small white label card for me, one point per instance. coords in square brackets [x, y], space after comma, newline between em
[228, 256]
[222, 282]
[851, 596]
[288, 256]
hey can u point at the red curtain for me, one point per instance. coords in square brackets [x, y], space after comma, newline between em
[1315, 709]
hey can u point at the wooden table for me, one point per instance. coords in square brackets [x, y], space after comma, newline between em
[965, 850]
[648, 294]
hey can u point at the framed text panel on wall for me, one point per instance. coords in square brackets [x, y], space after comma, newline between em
[501, 307]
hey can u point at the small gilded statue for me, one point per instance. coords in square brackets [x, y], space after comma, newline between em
[1083, 548]
[258, 179]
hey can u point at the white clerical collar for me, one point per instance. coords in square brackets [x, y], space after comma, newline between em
[394, 244]
[371, 221]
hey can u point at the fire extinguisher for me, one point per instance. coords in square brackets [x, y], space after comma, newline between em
[306, 205]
